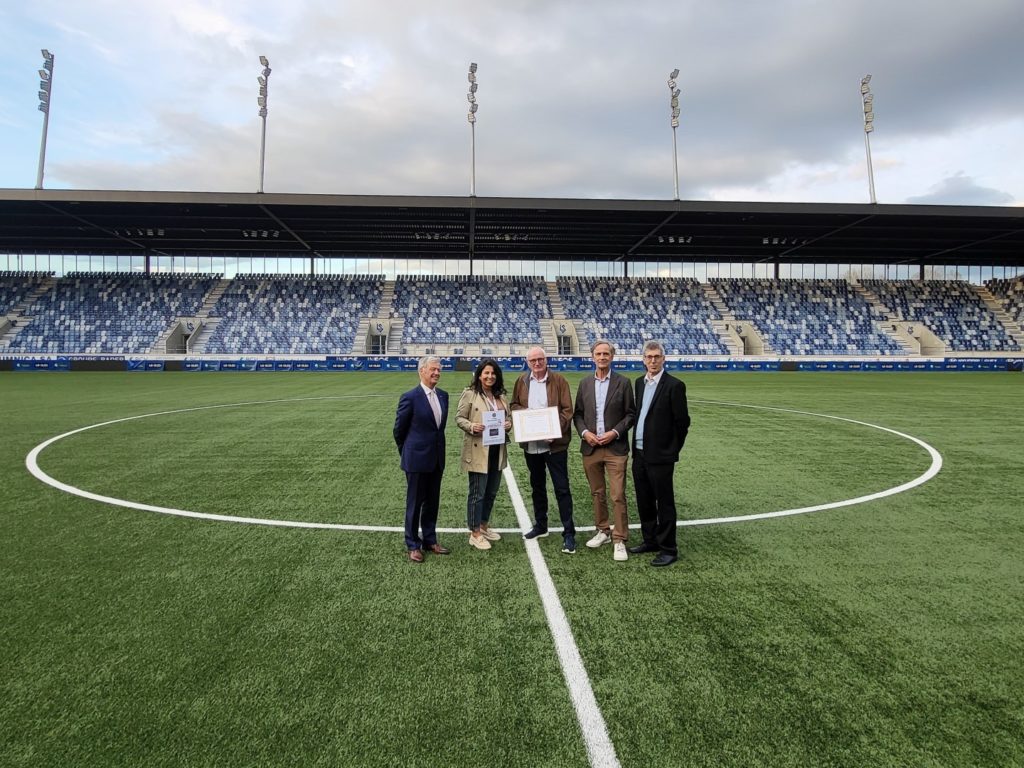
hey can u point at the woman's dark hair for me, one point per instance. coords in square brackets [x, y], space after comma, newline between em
[499, 383]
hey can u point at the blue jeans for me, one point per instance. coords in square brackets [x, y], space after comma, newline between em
[557, 465]
[483, 490]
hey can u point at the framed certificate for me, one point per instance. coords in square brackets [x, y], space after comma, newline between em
[494, 427]
[536, 424]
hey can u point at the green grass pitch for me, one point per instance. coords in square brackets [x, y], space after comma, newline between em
[889, 633]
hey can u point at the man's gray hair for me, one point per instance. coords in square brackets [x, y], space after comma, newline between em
[427, 360]
[652, 344]
[599, 342]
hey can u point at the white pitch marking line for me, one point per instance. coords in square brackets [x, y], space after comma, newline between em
[931, 472]
[32, 464]
[600, 749]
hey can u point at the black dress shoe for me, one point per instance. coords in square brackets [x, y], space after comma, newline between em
[640, 549]
[663, 559]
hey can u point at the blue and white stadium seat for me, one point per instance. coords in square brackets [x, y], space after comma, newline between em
[630, 311]
[274, 314]
[807, 317]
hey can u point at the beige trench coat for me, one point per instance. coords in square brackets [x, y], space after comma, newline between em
[474, 452]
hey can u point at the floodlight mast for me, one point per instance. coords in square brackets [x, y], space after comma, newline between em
[674, 107]
[868, 101]
[264, 81]
[45, 93]
[471, 96]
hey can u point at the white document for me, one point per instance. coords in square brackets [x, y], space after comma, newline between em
[536, 424]
[494, 427]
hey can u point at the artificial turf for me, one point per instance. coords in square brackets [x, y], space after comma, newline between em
[888, 633]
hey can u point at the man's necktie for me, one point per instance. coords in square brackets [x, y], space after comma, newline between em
[435, 407]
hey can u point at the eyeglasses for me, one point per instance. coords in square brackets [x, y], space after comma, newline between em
[535, 360]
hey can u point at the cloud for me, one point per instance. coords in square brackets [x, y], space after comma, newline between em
[961, 189]
[370, 98]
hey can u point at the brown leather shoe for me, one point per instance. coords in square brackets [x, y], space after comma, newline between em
[437, 549]
[416, 555]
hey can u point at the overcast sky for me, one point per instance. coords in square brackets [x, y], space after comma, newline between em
[370, 97]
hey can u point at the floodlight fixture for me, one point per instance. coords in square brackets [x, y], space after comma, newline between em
[45, 94]
[673, 103]
[868, 104]
[471, 117]
[261, 100]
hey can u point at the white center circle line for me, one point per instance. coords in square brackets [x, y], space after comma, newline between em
[32, 464]
[927, 475]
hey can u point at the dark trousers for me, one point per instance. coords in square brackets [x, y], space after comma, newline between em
[422, 499]
[557, 465]
[655, 503]
[483, 490]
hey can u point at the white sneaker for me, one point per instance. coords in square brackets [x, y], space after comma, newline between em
[620, 553]
[599, 538]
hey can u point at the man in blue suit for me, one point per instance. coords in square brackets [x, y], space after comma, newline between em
[419, 433]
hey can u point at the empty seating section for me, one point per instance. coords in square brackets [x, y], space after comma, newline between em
[1010, 293]
[126, 313]
[470, 309]
[950, 309]
[264, 314]
[15, 287]
[109, 313]
[630, 311]
[806, 317]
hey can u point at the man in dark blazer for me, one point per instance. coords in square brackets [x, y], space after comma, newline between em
[603, 415]
[661, 426]
[419, 434]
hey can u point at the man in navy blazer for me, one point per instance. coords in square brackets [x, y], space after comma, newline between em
[662, 423]
[419, 434]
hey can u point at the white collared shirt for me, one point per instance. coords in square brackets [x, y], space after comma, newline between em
[538, 398]
[434, 401]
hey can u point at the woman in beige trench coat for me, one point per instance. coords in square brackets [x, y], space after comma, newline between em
[483, 463]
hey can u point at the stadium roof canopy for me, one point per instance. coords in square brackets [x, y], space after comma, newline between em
[204, 223]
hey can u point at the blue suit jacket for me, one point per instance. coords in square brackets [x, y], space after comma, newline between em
[420, 441]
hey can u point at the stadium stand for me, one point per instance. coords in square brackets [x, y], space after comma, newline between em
[132, 313]
[950, 309]
[108, 313]
[807, 317]
[274, 314]
[629, 311]
[16, 287]
[478, 310]
[1009, 292]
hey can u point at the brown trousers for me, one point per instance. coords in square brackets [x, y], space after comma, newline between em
[598, 464]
